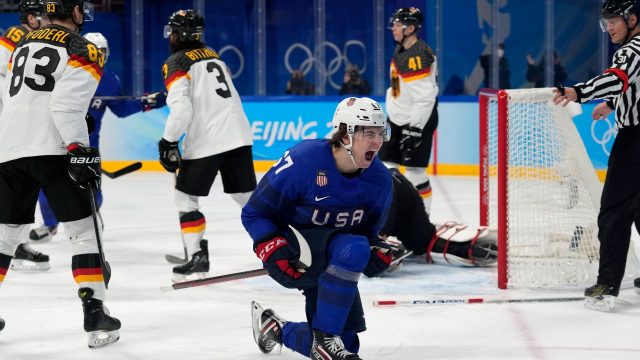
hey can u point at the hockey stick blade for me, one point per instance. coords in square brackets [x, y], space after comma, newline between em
[479, 300]
[124, 171]
[174, 259]
[215, 279]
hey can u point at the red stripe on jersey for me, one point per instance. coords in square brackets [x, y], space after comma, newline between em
[173, 77]
[10, 45]
[620, 74]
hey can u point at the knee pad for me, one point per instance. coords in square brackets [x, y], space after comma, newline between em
[241, 198]
[417, 175]
[82, 235]
[186, 203]
[10, 237]
[349, 252]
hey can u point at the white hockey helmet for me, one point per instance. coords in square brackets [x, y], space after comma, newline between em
[100, 41]
[363, 111]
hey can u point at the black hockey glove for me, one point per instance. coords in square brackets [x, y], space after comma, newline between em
[84, 166]
[154, 100]
[169, 155]
[379, 259]
[280, 261]
[411, 138]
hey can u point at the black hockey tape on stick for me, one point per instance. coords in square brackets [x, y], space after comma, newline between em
[124, 171]
[215, 279]
[478, 300]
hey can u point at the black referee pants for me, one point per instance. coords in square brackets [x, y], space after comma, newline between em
[619, 205]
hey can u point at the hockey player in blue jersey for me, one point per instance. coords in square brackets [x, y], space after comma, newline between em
[109, 85]
[314, 219]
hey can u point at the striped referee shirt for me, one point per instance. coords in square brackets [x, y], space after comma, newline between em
[620, 85]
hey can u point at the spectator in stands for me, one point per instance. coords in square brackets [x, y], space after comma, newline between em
[535, 73]
[298, 85]
[353, 83]
[486, 61]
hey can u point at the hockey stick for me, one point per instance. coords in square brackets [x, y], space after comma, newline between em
[457, 301]
[215, 279]
[124, 171]
[104, 264]
[122, 97]
[172, 258]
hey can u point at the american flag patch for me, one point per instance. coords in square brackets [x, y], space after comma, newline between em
[321, 178]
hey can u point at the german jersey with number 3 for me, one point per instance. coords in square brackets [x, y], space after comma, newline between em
[204, 104]
[52, 76]
[414, 86]
[306, 190]
[8, 42]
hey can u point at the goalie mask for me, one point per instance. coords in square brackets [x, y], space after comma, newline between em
[188, 24]
[100, 41]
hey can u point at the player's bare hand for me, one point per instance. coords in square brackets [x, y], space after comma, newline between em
[564, 95]
[601, 111]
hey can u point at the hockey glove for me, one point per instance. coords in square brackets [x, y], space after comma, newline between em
[379, 259]
[84, 166]
[154, 100]
[169, 155]
[410, 140]
[279, 261]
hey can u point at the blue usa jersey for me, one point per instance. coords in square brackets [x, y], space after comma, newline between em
[305, 189]
[109, 86]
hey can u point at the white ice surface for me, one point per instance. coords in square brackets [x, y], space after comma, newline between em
[44, 316]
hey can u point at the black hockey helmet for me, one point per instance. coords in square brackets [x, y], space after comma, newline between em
[613, 8]
[408, 16]
[189, 25]
[30, 7]
[64, 8]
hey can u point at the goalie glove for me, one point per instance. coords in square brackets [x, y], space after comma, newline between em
[169, 155]
[411, 138]
[379, 259]
[279, 261]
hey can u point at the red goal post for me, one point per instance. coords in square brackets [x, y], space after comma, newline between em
[539, 190]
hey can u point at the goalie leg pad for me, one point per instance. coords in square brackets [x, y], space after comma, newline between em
[458, 244]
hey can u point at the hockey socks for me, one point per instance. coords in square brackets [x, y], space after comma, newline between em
[192, 225]
[336, 290]
[5, 260]
[87, 273]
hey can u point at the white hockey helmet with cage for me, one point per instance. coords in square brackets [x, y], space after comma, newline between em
[363, 111]
[100, 41]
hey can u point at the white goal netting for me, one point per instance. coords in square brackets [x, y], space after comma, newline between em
[551, 192]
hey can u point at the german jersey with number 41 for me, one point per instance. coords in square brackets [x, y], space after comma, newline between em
[52, 76]
[204, 104]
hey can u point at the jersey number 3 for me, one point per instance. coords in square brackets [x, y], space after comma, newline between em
[45, 71]
[223, 91]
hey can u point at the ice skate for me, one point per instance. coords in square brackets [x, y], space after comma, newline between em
[196, 268]
[29, 259]
[101, 328]
[636, 284]
[1, 324]
[267, 328]
[601, 297]
[43, 233]
[329, 347]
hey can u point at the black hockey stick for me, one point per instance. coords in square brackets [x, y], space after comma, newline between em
[124, 171]
[172, 258]
[104, 264]
[121, 97]
[215, 279]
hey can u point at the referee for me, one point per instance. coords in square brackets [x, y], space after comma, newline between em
[619, 85]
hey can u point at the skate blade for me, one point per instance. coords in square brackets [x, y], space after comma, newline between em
[256, 313]
[29, 266]
[98, 339]
[605, 303]
[178, 278]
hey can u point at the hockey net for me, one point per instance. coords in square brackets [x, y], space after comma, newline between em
[539, 190]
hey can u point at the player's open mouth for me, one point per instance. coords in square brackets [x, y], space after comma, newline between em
[369, 155]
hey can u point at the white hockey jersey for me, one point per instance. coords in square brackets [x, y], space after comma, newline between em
[414, 87]
[8, 42]
[53, 73]
[204, 104]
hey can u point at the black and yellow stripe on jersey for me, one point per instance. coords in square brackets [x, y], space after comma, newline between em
[413, 63]
[12, 36]
[177, 65]
[82, 53]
